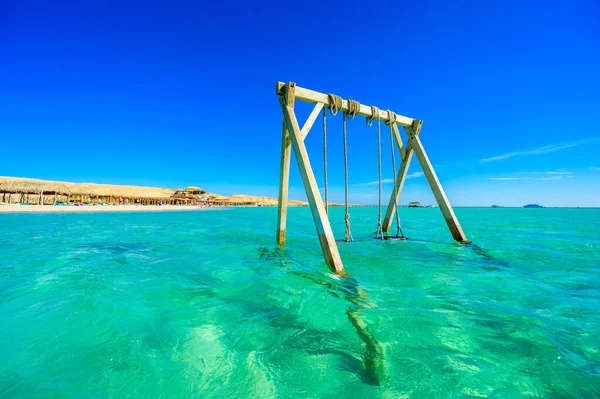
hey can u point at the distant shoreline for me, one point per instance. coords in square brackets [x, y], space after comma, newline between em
[16, 208]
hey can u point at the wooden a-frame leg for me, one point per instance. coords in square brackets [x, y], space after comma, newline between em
[326, 239]
[284, 178]
[406, 156]
[400, 178]
[284, 173]
[434, 183]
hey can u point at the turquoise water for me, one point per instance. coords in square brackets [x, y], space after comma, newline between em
[201, 304]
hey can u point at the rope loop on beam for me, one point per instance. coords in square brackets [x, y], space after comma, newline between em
[374, 115]
[391, 118]
[335, 104]
[353, 109]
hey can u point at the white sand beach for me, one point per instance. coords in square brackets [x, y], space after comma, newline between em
[16, 208]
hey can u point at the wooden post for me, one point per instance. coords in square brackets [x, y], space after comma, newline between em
[406, 156]
[284, 178]
[41, 198]
[434, 183]
[326, 239]
[311, 120]
[400, 179]
[399, 143]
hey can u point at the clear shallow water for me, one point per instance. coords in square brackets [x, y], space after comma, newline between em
[201, 304]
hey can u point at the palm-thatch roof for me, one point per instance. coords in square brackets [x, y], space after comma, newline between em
[184, 195]
[194, 188]
[36, 186]
[32, 186]
[106, 190]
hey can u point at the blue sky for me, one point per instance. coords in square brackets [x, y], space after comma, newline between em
[182, 93]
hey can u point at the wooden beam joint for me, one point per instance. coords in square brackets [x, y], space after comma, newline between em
[415, 129]
[288, 94]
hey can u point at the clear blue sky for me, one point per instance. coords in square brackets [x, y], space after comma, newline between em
[182, 93]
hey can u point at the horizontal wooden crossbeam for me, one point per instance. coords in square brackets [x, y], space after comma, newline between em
[311, 96]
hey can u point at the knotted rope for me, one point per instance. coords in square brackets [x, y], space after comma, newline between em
[348, 235]
[392, 117]
[353, 109]
[325, 157]
[374, 115]
[335, 104]
[391, 122]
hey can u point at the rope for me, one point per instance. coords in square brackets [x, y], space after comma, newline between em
[392, 117]
[353, 109]
[375, 115]
[335, 104]
[391, 122]
[325, 157]
[348, 236]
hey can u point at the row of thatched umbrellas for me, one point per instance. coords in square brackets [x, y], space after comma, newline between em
[40, 192]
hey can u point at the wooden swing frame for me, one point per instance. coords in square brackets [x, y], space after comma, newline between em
[293, 136]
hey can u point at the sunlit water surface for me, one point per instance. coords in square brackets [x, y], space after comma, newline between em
[202, 304]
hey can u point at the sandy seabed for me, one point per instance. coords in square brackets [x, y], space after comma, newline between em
[15, 208]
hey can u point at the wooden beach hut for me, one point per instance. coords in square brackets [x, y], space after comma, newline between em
[195, 190]
[190, 196]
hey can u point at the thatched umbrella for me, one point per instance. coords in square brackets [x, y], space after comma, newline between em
[116, 193]
[24, 187]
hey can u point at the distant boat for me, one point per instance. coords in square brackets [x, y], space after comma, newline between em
[532, 206]
[497, 206]
[414, 204]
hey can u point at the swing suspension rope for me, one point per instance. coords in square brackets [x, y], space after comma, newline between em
[335, 104]
[353, 110]
[375, 115]
[391, 122]
[325, 157]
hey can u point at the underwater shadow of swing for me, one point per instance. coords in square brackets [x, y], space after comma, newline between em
[391, 238]
[348, 288]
